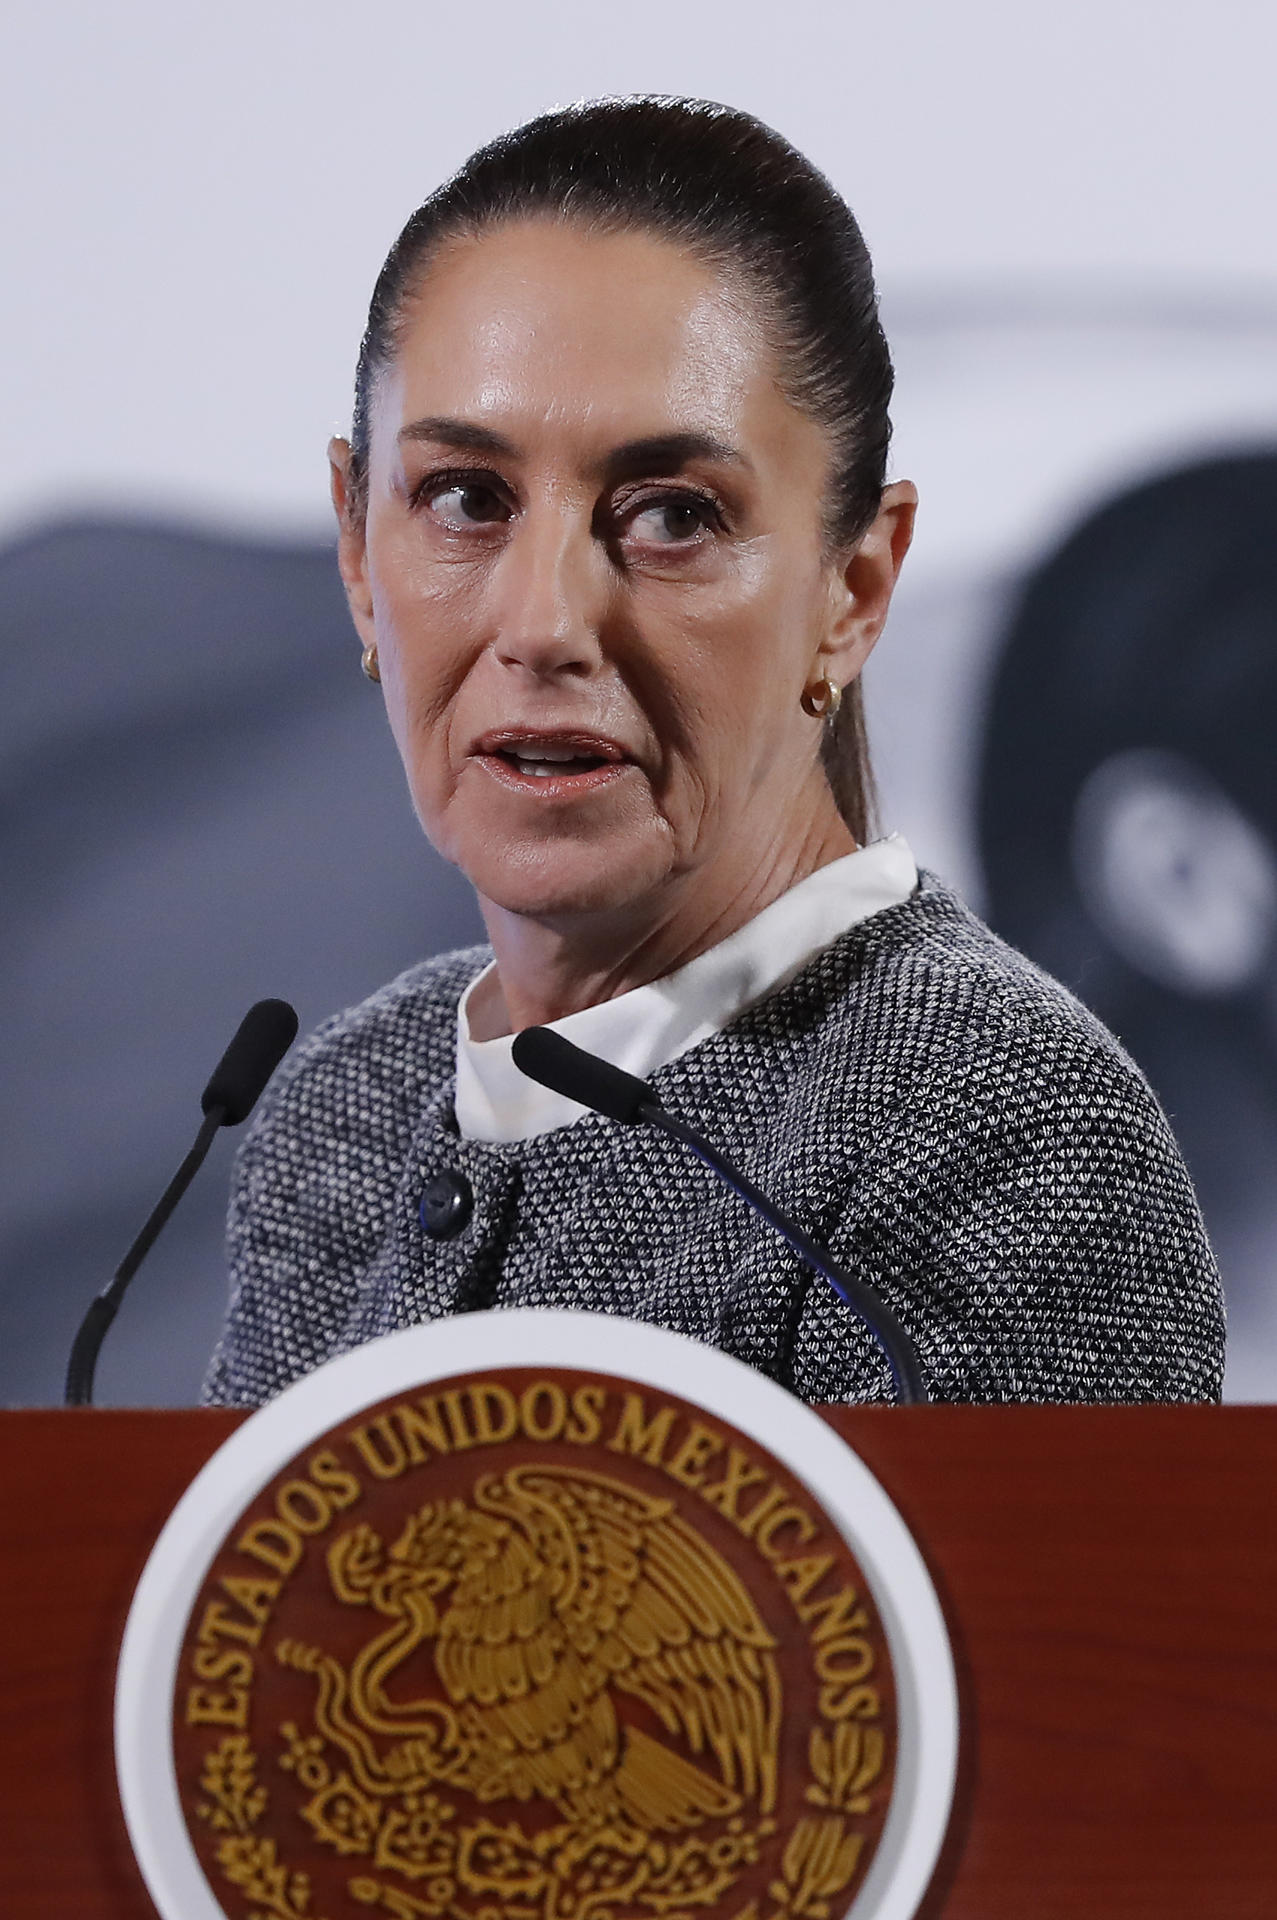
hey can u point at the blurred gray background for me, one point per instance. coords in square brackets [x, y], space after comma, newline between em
[1073, 710]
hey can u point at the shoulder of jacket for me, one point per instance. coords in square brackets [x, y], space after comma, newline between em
[402, 1037]
[953, 999]
[936, 935]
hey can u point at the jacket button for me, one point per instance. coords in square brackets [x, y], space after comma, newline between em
[446, 1205]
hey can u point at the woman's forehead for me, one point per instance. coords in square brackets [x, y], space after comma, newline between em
[543, 327]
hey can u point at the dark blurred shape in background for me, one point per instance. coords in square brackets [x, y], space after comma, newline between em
[201, 807]
[1128, 826]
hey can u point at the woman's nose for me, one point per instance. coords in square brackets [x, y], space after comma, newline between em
[551, 595]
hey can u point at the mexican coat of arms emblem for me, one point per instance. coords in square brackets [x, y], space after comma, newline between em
[533, 1645]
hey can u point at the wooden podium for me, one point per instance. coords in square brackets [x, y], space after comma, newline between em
[1109, 1576]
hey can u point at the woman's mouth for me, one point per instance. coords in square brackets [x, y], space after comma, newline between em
[548, 762]
[552, 767]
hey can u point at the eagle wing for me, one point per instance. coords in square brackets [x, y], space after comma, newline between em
[631, 1596]
[536, 1710]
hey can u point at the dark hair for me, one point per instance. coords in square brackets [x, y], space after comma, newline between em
[737, 195]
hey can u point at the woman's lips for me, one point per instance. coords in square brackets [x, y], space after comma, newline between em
[551, 765]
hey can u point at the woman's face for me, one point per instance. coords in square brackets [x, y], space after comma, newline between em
[593, 566]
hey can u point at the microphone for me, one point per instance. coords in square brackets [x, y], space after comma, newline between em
[556, 1063]
[262, 1039]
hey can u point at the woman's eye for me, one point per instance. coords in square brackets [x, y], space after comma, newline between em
[467, 504]
[667, 522]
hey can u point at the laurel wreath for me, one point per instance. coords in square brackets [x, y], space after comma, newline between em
[417, 1840]
[236, 1802]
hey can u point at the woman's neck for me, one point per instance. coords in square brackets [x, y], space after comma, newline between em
[546, 970]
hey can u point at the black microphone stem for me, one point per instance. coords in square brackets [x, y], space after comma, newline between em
[103, 1309]
[895, 1342]
[260, 1042]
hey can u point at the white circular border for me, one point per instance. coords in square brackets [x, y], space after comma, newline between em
[926, 1691]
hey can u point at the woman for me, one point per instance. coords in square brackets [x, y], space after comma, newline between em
[616, 541]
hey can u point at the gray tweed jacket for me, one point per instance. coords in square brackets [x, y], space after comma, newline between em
[949, 1121]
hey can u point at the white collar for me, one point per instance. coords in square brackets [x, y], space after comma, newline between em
[651, 1025]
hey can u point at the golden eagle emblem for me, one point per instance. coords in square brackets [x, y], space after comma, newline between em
[525, 1689]
[518, 1625]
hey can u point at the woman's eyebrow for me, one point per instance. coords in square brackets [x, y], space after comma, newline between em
[665, 453]
[668, 453]
[464, 434]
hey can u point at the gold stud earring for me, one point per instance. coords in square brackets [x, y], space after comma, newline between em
[368, 661]
[822, 700]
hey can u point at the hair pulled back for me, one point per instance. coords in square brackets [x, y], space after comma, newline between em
[741, 199]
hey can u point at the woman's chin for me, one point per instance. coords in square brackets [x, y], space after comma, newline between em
[566, 880]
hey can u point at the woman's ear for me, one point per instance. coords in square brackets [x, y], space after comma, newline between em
[352, 547]
[865, 581]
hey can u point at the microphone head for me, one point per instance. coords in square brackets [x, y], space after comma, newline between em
[545, 1056]
[264, 1036]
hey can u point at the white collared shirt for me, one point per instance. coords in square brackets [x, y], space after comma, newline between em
[651, 1025]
